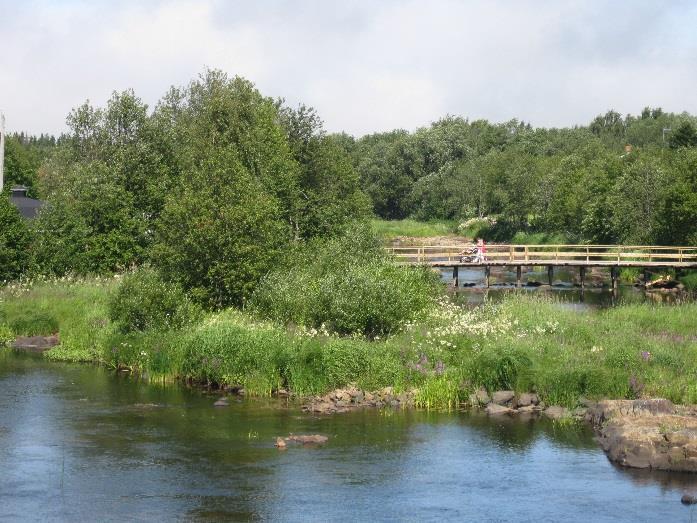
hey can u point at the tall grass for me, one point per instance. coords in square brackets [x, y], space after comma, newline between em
[689, 280]
[412, 228]
[524, 343]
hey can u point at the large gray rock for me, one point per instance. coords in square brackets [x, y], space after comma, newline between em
[503, 397]
[479, 397]
[556, 412]
[35, 343]
[647, 434]
[526, 399]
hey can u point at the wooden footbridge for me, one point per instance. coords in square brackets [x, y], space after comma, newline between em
[613, 257]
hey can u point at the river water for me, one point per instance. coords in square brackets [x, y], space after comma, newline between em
[565, 287]
[80, 443]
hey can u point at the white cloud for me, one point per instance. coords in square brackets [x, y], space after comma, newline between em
[365, 65]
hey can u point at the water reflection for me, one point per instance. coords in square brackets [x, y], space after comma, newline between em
[565, 288]
[83, 443]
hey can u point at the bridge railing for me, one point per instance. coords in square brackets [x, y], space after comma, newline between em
[606, 254]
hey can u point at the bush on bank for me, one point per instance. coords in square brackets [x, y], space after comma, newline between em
[346, 286]
[144, 301]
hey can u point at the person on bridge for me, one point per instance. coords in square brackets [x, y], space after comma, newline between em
[481, 251]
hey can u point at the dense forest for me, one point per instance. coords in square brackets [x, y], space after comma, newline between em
[218, 182]
[620, 179]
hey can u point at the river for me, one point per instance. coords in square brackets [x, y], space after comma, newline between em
[80, 443]
[473, 290]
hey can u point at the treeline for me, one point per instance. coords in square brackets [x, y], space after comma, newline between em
[217, 183]
[620, 179]
[211, 187]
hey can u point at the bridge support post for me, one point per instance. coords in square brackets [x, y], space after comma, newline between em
[518, 276]
[456, 282]
[582, 271]
[550, 274]
[613, 276]
[487, 273]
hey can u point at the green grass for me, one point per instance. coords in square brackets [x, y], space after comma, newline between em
[388, 229]
[689, 280]
[523, 343]
[77, 309]
[538, 238]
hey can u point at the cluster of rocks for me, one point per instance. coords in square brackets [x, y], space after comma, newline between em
[650, 433]
[344, 400]
[507, 402]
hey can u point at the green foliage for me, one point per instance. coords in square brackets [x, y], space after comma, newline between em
[498, 369]
[412, 228]
[329, 185]
[689, 280]
[6, 335]
[143, 301]
[228, 353]
[15, 239]
[346, 285]
[578, 183]
[684, 136]
[76, 309]
[441, 392]
[34, 322]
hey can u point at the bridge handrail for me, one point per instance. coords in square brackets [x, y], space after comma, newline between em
[550, 252]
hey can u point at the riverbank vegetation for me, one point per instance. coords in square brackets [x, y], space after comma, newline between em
[524, 343]
[224, 237]
[409, 228]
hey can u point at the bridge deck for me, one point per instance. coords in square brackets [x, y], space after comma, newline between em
[552, 255]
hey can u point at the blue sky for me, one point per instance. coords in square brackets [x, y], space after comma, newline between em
[365, 65]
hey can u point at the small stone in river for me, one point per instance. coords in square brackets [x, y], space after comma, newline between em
[280, 443]
[222, 402]
[688, 499]
[309, 439]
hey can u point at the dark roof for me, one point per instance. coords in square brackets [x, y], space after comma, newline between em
[28, 207]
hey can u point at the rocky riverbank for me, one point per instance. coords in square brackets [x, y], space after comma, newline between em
[648, 433]
[651, 433]
[500, 403]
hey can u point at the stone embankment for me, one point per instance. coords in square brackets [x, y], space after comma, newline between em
[507, 402]
[650, 433]
[503, 402]
[35, 343]
[344, 400]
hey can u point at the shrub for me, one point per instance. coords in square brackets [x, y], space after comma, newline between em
[347, 285]
[498, 369]
[6, 335]
[34, 323]
[14, 241]
[232, 354]
[144, 301]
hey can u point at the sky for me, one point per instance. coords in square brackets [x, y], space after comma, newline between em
[365, 65]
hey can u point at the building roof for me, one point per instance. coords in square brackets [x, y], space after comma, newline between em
[28, 207]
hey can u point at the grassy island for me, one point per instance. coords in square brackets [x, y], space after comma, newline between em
[524, 343]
